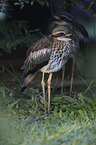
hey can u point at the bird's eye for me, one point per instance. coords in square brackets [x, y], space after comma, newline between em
[62, 18]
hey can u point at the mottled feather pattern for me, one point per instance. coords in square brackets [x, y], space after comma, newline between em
[57, 48]
[60, 54]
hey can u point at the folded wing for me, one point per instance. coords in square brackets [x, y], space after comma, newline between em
[37, 55]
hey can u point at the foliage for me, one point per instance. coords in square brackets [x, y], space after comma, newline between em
[73, 119]
[71, 123]
[88, 5]
[14, 33]
[53, 131]
[2, 5]
[21, 3]
[17, 32]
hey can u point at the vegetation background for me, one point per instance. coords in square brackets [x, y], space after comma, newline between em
[73, 119]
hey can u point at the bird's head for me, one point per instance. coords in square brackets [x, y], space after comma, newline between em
[61, 27]
[27, 80]
[63, 19]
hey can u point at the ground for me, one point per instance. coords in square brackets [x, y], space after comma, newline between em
[72, 119]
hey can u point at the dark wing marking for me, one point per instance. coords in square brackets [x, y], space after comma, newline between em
[37, 55]
[81, 29]
[36, 59]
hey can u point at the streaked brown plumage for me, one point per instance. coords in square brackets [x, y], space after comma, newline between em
[50, 53]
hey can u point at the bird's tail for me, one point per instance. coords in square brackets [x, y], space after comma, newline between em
[27, 81]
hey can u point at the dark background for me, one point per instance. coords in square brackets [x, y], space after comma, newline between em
[39, 18]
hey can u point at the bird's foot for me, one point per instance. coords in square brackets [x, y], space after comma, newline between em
[41, 118]
[33, 116]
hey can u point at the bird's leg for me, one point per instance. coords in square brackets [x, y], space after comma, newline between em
[36, 106]
[49, 82]
[34, 112]
[72, 75]
[63, 72]
[43, 88]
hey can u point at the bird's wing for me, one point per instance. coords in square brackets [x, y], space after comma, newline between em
[44, 42]
[81, 29]
[37, 55]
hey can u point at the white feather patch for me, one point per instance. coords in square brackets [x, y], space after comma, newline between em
[63, 39]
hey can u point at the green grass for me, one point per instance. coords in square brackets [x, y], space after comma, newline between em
[57, 130]
[73, 121]
[52, 131]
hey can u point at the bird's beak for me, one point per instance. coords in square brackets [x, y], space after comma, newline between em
[23, 88]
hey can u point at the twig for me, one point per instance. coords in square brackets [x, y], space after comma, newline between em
[89, 8]
[50, 2]
[91, 4]
[69, 98]
[3, 1]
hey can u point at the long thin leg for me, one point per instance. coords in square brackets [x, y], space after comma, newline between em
[36, 106]
[34, 111]
[43, 88]
[63, 72]
[49, 82]
[72, 75]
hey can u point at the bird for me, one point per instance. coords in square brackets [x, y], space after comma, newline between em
[50, 53]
